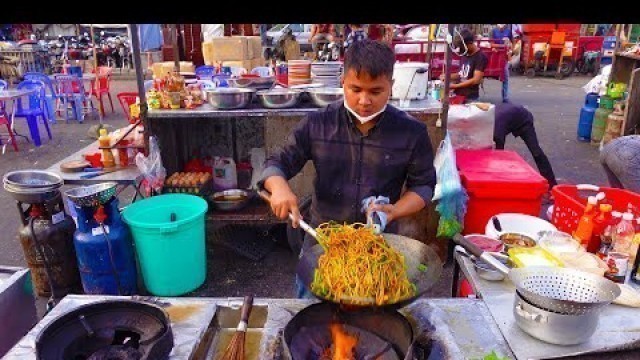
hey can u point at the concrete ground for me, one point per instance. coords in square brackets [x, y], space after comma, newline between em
[554, 103]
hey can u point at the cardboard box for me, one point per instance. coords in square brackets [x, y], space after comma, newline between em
[258, 61]
[160, 69]
[230, 48]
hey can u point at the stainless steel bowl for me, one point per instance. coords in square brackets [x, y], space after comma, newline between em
[487, 272]
[279, 98]
[32, 179]
[230, 200]
[230, 98]
[32, 196]
[256, 83]
[324, 96]
[92, 195]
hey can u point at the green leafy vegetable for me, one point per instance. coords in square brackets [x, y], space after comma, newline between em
[493, 356]
[422, 267]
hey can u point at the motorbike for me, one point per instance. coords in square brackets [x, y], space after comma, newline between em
[331, 51]
[589, 63]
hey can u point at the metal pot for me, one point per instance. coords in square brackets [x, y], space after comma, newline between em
[279, 98]
[32, 179]
[230, 98]
[324, 96]
[552, 327]
[230, 200]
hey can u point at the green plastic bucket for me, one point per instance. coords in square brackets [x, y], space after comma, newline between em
[171, 254]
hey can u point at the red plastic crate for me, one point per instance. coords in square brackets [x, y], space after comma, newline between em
[498, 181]
[570, 201]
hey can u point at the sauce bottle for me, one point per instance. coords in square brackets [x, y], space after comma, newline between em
[107, 156]
[599, 223]
[585, 225]
[606, 239]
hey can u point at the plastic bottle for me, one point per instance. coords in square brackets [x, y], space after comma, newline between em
[606, 239]
[224, 173]
[585, 224]
[107, 156]
[623, 236]
[599, 223]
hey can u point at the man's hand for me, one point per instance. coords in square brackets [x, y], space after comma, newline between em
[389, 209]
[283, 200]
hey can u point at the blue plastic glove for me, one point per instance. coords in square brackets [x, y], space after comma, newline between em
[376, 219]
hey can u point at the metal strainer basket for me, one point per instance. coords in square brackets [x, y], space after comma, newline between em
[564, 291]
[92, 195]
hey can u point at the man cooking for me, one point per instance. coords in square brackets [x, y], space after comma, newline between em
[361, 148]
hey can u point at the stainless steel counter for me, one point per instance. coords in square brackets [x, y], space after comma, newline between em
[427, 105]
[459, 328]
[618, 329]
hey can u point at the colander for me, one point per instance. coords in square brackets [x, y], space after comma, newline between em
[560, 290]
[92, 195]
[563, 290]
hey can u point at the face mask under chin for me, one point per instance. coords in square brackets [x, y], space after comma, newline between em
[364, 119]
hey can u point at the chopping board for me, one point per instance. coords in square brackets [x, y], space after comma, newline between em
[74, 166]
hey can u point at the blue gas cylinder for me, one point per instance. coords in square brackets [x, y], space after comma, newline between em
[587, 112]
[107, 266]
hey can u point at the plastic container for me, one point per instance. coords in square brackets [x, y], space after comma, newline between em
[559, 242]
[498, 181]
[623, 236]
[587, 112]
[534, 256]
[172, 254]
[224, 174]
[528, 225]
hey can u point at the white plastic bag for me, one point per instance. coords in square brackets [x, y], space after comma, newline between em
[594, 85]
[151, 168]
[471, 127]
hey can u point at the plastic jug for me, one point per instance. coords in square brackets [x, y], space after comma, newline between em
[224, 173]
[587, 113]
[258, 157]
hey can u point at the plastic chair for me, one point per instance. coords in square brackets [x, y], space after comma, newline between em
[263, 71]
[205, 72]
[50, 91]
[100, 86]
[72, 92]
[36, 107]
[126, 99]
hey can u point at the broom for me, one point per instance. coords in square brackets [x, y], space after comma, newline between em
[235, 349]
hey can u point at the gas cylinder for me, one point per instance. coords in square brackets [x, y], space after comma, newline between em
[600, 120]
[105, 253]
[587, 112]
[46, 234]
[614, 123]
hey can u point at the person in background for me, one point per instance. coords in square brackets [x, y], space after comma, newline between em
[360, 147]
[357, 34]
[502, 35]
[515, 119]
[380, 32]
[471, 74]
[320, 32]
[620, 159]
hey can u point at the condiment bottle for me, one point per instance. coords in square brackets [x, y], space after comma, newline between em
[606, 239]
[599, 223]
[107, 157]
[585, 224]
[623, 235]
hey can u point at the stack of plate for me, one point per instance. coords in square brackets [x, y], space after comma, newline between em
[299, 72]
[326, 73]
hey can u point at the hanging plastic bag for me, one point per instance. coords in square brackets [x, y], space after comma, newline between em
[451, 196]
[471, 126]
[152, 170]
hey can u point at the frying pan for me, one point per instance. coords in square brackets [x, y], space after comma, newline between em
[414, 252]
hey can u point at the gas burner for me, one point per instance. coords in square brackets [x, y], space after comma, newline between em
[108, 330]
[385, 335]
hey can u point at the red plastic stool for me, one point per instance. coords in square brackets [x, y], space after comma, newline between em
[4, 120]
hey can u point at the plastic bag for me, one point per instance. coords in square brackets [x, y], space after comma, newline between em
[471, 126]
[152, 170]
[451, 196]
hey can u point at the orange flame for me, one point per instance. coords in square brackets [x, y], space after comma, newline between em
[344, 345]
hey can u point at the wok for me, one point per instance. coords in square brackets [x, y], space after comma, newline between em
[414, 252]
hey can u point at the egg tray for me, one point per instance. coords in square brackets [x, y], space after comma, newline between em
[202, 190]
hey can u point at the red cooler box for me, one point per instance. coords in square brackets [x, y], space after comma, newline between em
[498, 181]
